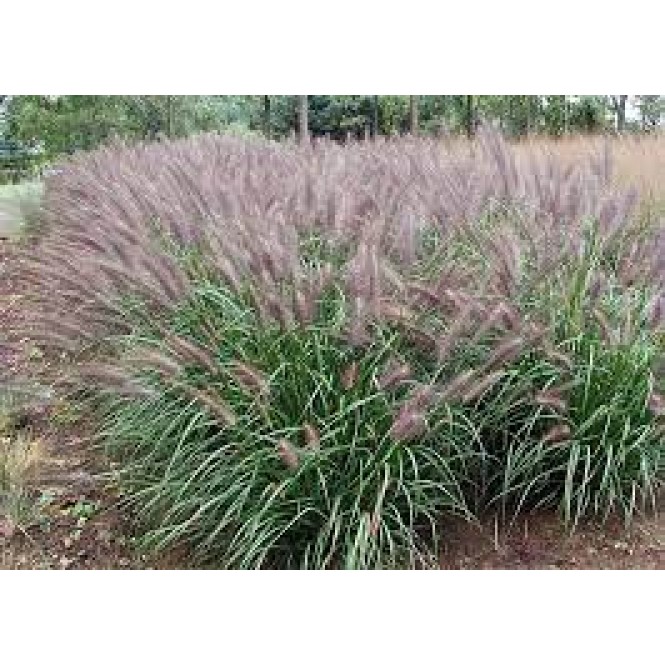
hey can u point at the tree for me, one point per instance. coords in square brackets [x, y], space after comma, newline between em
[4, 103]
[375, 115]
[587, 113]
[413, 114]
[266, 115]
[65, 123]
[652, 109]
[469, 116]
[169, 115]
[618, 103]
[303, 113]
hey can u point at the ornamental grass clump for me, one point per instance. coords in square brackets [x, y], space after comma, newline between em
[275, 447]
[307, 356]
[575, 423]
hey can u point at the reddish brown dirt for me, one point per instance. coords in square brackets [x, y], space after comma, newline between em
[78, 526]
[540, 542]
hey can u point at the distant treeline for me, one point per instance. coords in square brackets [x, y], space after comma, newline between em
[63, 124]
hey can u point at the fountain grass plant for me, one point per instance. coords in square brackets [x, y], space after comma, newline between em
[309, 356]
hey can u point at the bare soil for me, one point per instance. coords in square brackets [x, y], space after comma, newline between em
[76, 524]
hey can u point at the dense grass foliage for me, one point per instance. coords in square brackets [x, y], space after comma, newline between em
[308, 356]
[280, 447]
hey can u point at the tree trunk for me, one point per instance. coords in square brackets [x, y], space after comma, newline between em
[469, 116]
[504, 113]
[512, 116]
[620, 106]
[303, 113]
[375, 116]
[169, 116]
[413, 114]
[266, 116]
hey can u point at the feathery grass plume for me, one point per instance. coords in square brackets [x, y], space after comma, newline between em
[279, 310]
[557, 434]
[418, 336]
[178, 183]
[495, 320]
[350, 376]
[249, 377]
[407, 425]
[420, 398]
[510, 318]
[597, 286]
[213, 403]
[425, 294]
[455, 388]
[357, 332]
[557, 357]
[394, 374]
[655, 311]
[390, 276]
[481, 385]
[312, 436]
[504, 353]
[287, 453]
[657, 403]
[392, 311]
[304, 306]
[190, 351]
[111, 376]
[168, 183]
[551, 398]
[152, 358]
[604, 325]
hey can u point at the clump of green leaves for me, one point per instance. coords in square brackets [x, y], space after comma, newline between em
[312, 469]
[577, 424]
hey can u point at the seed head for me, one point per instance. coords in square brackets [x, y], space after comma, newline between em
[407, 425]
[557, 434]
[551, 399]
[350, 376]
[476, 390]
[657, 403]
[505, 352]
[557, 358]
[288, 454]
[215, 404]
[250, 377]
[453, 389]
[312, 438]
[394, 375]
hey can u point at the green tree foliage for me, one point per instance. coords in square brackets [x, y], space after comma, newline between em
[64, 124]
[67, 123]
[588, 113]
[341, 115]
[651, 109]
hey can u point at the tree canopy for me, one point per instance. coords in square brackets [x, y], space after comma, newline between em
[64, 124]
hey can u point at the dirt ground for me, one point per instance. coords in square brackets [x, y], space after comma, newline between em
[73, 522]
